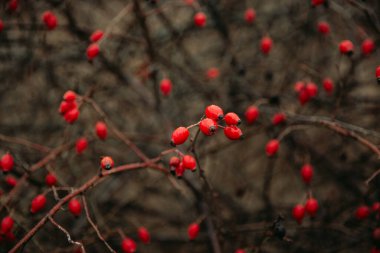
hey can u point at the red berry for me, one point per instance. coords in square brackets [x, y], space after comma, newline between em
[75, 207]
[189, 162]
[346, 47]
[362, 212]
[233, 132]
[376, 207]
[50, 20]
[165, 86]
[240, 251]
[328, 85]
[214, 112]
[317, 2]
[312, 89]
[266, 45]
[323, 28]
[368, 46]
[6, 224]
[278, 118]
[179, 136]
[311, 206]
[107, 163]
[174, 161]
[67, 106]
[92, 51]
[128, 245]
[303, 96]
[193, 231]
[200, 19]
[378, 74]
[71, 116]
[143, 235]
[101, 130]
[249, 15]
[208, 126]
[299, 86]
[69, 96]
[81, 145]
[38, 203]
[272, 147]
[97, 35]
[11, 181]
[50, 179]
[7, 162]
[307, 172]
[179, 170]
[1, 25]
[212, 73]
[298, 213]
[251, 114]
[13, 5]
[232, 118]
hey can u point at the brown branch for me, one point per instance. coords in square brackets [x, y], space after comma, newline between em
[26, 143]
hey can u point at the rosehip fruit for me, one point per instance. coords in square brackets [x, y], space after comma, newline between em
[298, 213]
[378, 74]
[71, 116]
[208, 126]
[323, 28]
[7, 162]
[240, 251]
[249, 15]
[212, 73]
[200, 19]
[179, 170]
[179, 136]
[303, 96]
[101, 130]
[67, 106]
[69, 96]
[193, 231]
[346, 47]
[11, 181]
[299, 86]
[368, 46]
[6, 224]
[251, 114]
[233, 132]
[278, 118]
[328, 85]
[232, 118]
[38, 203]
[214, 112]
[311, 206]
[107, 163]
[96, 36]
[266, 45]
[75, 207]
[189, 162]
[128, 245]
[165, 86]
[312, 89]
[144, 235]
[92, 51]
[50, 20]
[317, 2]
[13, 5]
[362, 212]
[272, 147]
[50, 179]
[1, 25]
[81, 145]
[307, 172]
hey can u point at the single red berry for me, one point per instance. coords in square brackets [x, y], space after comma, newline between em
[328, 85]
[174, 161]
[179, 170]
[6, 224]
[251, 114]
[312, 89]
[376, 234]
[317, 2]
[378, 74]
[323, 28]
[240, 251]
[179, 136]
[75, 207]
[303, 96]
[249, 15]
[193, 231]
[208, 126]
[278, 118]
[214, 112]
[1, 25]
[166, 86]
[307, 172]
[50, 20]
[101, 130]
[368, 46]
[233, 132]
[107, 163]
[298, 213]
[189, 2]
[96, 36]
[81, 145]
[7, 162]
[13, 5]
[144, 235]
[71, 116]
[200, 19]
[50, 179]
[92, 51]
[346, 47]
[311, 206]
[266, 45]
[11, 181]
[299, 86]
[362, 212]
[376, 207]
[272, 147]
[232, 118]
[128, 245]
[38, 203]
[212, 73]
[69, 96]
[189, 162]
[67, 106]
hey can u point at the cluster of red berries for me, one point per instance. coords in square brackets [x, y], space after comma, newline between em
[69, 107]
[6, 233]
[363, 212]
[6, 162]
[309, 90]
[178, 165]
[50, 20]
[128, 245]
[93, 49]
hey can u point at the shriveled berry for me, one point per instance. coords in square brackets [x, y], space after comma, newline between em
[6, 224]
[214, 112]
[69, 96]
[278, 118]
[7, 162]
[346, 47]
[233, 132]
[208, 126]
[75, 207]
[50, 179]
[179, 136]
[212, 73]
[71, 116]
[272, 147]
[50, 20]
[251, 114]
[323, 28]
[266, 45]
[307, 172]
[298, 213]
[107, 163]
[189, 162]
[101, 130]
[11, 181]
[311, 206]
[38, 203]
[128, 245]
[143, 235]
[200, 19]
[193, 231]
[92, 51]
[328, 85]
[249, 15]
[166, 86]
[232, 118]
[368, 46]
[81, 145]
[362, 212]
[96, 36]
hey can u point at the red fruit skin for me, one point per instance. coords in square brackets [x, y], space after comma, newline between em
[214, 112]
[38, 203]
[96, 36]
[71, 116]
[266, 45]
[69, 96]
[7, 162]
[328, 86]
[303, 96]
[189, 162]
[317, 2]
[299, 86]
[6, 224]
[212, 73]
[166, 87]
[193, 231]
[307, 172]
[101, 130]
[272, 147]
[1, 25]
[179, 136]
[233, 132]
[323, 28]
[81, 145]
[232, 119]
[311, 206]
[298, 213]
[67, 106]
[200, 19]
[179, 170]
[50, 179]
[92, 51]
[144, 235]
[128, 245]
[278, 118]
[174, 161]
[75, 207]
[240, 251]
[13, 5]
[376, 207]
[11, 181]
[378, 74]
[362, 212]
[208, 126]
[50, 20]
[346, 47]
[368, 46]
[107, 163]
[251, 114]
[312, 89]
[249, 15]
